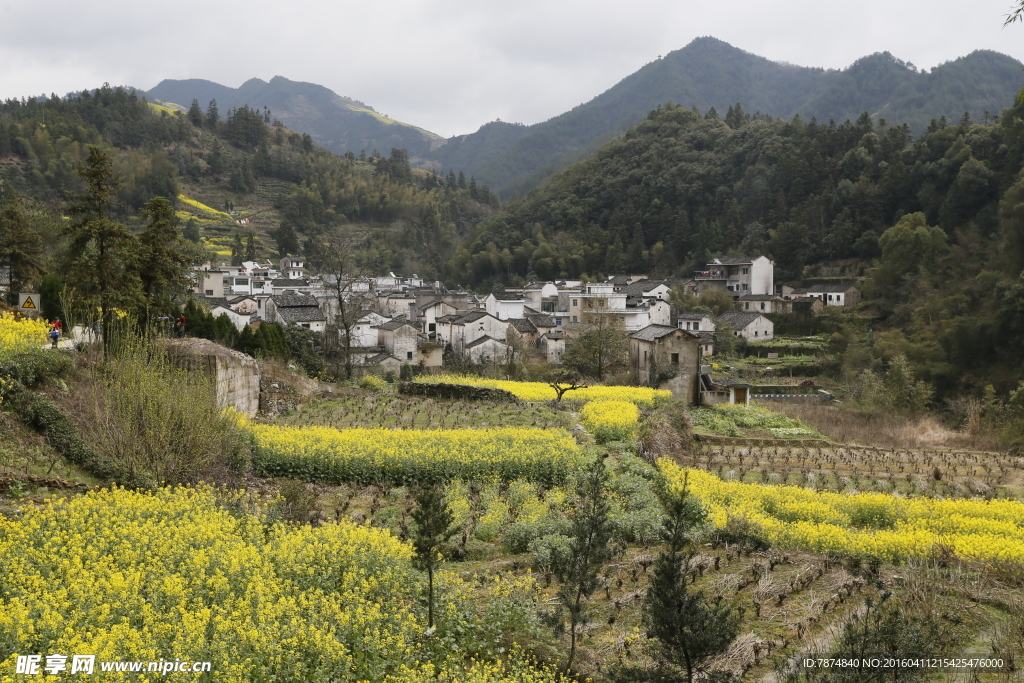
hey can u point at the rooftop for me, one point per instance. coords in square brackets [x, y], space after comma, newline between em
[655, 332]
[738, 319]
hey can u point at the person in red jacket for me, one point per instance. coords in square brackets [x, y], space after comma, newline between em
[181, 325]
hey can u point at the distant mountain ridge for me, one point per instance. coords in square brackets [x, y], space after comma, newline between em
[513, 158]
[711, 73]
[339, 123]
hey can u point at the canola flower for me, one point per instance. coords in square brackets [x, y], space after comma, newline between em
[539, 391]
[20, 336]
[866, 524]
[330, 455]
[610, 420]
[198, 205]
[186, 573]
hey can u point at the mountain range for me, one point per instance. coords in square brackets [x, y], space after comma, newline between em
[708, 73]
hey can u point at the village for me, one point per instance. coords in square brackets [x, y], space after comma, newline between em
[386, 322]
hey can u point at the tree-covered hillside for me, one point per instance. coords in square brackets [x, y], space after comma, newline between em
[939, 220]
[710, 73]
[340, 124]
[234, 177]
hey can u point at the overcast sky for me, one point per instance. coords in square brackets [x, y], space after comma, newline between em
[451, 66]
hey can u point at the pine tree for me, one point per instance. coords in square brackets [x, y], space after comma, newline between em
[588, 550]
[250, 247]
[212, 114]
[163, 265]
[434, 526]
[195, 114]
[102, 262]
[688, 628]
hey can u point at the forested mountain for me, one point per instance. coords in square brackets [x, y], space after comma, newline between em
[940, 218]
[710, 73]
[233, 177]
[338, 123]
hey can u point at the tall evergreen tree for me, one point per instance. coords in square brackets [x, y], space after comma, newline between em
[434, 527]
[102, 263]
[688, 628]
[588, 550]
[212, 114]
[163, 265]
[195, 114]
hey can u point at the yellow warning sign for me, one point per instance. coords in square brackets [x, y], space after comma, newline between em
[29, 302]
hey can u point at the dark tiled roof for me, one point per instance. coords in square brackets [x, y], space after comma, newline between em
[395, 324]
[619, 280]
[642, 287]
[826, 288]
[212, 301]
[706, 337]
[238, 299]
[301, 314]
[451, 317]
[522, 325]
[693, 316]
[758, 297]
[653, 332]
[471, 317]
[480, 340]
[556, 336]
[541, 320]
[507, 296]
[733, 260]
[292, 300]
[374, 360]
[738, 319]
[285, 282]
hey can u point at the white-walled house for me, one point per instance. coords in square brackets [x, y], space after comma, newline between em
[364, 331]
[738, 275]
[475, 324]
[239, 320]
[765, 303]
[487, 350]
[399, 338]
[296, 309]
[695, 322]
[750, 326]
[660, 312]
[832, 295]
[504, 305]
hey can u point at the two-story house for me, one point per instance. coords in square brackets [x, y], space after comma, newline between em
[505, 305]
[751, 326]
[738, 275]
[660, 350]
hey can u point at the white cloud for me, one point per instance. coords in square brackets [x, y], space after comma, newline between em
[452, 66]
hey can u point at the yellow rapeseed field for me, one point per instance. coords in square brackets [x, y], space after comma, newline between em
[610, 420]
[188, 573]
[330, 455]
[867, 524]
[19, 336]
[539, 391]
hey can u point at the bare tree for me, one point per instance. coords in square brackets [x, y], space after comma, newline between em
[336, 253]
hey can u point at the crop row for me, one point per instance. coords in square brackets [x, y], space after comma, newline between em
[20, 336]
[729, 420]
[910, 472]
[334, 456]
[869, 524]
[610, 420]
[539, 391]
[191, 574]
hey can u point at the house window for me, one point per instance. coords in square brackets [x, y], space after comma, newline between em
[209, 292]
[755, 333]
[675, 359]
[306, 325]
[762, 305]
[746, 271]
[746, 287]
[408, 355]
[575, 303]
[432, 327]
[574, 319]
[747, 305]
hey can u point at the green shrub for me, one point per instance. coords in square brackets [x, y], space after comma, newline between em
[34, 367]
